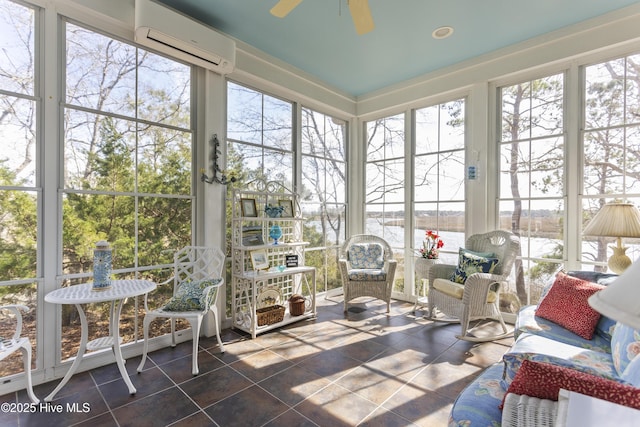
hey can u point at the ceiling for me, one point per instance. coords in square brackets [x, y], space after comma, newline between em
[319, 38]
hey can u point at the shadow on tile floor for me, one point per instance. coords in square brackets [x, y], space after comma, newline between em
[361, 368]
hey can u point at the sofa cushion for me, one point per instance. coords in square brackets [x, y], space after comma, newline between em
[567, 304]
[478, 404]
[456, 290]
[367, 275]
[625, 346]
[189, 296]
[470, 262]
[541, 349]
[544, 381]
[366, 255]
[527, 321]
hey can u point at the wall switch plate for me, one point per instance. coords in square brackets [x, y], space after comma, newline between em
[472, 172]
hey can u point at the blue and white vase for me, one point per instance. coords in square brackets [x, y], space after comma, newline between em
[102, 263]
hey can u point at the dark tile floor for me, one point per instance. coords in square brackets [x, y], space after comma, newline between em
[365, 368]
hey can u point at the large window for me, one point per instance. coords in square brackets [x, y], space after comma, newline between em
[20, 192]
[531, 178]
[259, 136]
[437, 197]
[385, 186]
[261, 144]
[439, 172]
[323, 193]
[611, 148]
[127, 172]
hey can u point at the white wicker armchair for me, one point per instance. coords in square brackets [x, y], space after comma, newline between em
[479, 296]
[367, 268]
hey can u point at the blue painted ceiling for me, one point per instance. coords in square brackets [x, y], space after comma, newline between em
[319, 38]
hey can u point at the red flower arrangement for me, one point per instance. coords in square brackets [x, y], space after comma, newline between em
[431, 245]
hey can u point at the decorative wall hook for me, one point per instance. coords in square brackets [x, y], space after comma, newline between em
[215, 169]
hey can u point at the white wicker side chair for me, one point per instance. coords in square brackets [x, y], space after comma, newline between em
[197, 279]
[479, 296]
[16, 342]
[367, 268]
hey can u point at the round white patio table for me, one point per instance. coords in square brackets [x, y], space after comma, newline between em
[119, 291]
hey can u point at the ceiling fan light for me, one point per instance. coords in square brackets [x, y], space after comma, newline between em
[442, 32]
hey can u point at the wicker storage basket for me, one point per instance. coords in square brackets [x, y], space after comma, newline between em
[297, 304]
[270, 315]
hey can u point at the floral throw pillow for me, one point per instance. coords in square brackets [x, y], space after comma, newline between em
[625, 346]
[190, 296]
[567, 304]
[470, 262]
[544, 381]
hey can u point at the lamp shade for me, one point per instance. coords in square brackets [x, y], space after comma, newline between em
[615, 219]
[621, 299]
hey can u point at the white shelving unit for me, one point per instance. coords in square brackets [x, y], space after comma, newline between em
[255, 289]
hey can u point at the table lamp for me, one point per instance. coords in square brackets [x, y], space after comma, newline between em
[616, 219]
[621, 299]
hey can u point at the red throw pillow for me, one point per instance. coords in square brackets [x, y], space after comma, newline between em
[566, 304]
[544, 381]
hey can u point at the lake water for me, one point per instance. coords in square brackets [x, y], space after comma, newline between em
[534, 247]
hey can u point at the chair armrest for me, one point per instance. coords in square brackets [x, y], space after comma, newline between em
[390, 267]
[146, 296]
[440, 271]
[343, 264]
[478, 285]
[15, 309]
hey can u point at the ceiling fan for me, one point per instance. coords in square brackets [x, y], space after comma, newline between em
[360, 13]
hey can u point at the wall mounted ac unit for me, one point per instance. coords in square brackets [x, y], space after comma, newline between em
[169, 32]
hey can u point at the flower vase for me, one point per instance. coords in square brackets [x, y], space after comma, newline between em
[275, 233]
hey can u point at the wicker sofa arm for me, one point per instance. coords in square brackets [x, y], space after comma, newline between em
[527, 411]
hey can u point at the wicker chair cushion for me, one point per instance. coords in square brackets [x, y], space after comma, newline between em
[544, 381]
[456, 290]
[367, 275]
[566, 304]
[470, 262]
[366, 255]
[625, 346]
[189, 296]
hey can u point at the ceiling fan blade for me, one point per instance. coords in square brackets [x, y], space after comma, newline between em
[283, 7]
[361, 15]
